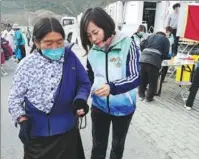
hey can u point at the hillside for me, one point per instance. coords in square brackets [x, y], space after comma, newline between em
[23, 11]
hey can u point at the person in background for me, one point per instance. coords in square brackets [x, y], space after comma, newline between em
[49, 92]
[170, 37]
[139, 34]
[114, 61]
[7, 49]
[20, 50]
[193, 89]
[173, 23]
[154, 50]
[28, 35]
[9, 36]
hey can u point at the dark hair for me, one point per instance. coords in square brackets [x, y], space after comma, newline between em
[45, 26]
[176, 5]
[141, 27]
[168, 28]
[9, 25]
[100, 18]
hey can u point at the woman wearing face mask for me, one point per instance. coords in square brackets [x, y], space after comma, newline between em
[113, 59]
[50, 89]
[170, 37]
[139, 34]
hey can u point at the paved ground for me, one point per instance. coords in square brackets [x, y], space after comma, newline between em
[162, 129]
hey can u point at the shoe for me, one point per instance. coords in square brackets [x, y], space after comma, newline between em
[146, 100]
[141, 98]
[187, 107]
[157, 94]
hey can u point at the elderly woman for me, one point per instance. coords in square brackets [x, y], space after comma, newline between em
[49, 92]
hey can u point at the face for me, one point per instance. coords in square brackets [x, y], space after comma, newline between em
[139, 29]
[52, 40]
[95, 35]
[177, 9]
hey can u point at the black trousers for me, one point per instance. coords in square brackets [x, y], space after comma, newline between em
[148, 75]
[100, 131]
[63, 146]
[28, 40]
[175, 45]
[23, 51]
[164, 72]
[193, 89]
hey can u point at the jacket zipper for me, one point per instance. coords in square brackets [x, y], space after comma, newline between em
[54, 105]
[48, 124]
[107, 79]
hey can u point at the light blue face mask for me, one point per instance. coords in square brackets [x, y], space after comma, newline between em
[53, 54]
[141, 33]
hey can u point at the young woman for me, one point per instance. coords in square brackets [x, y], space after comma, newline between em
[54, 86]
[113, 59]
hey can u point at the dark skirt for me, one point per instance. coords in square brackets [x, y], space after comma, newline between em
[64, 146]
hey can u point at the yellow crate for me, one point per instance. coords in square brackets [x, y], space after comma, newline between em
[186, 77]
[195, 57]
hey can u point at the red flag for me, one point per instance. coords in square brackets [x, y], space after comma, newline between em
[192, 26]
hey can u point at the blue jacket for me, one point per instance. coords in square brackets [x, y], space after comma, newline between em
[118, 67]
[19, 39]
[74, 85]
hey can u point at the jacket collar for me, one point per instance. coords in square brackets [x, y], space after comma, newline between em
[115, 43]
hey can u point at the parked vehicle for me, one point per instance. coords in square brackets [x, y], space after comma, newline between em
[70, 26]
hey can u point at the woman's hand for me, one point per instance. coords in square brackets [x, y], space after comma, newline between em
[24, 133]
[80, 112]
[22, 119]
[103, 91]
[81, 107]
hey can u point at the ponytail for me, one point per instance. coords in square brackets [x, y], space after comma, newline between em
[33, 48]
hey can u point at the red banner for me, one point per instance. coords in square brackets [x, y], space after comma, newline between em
[192, 26]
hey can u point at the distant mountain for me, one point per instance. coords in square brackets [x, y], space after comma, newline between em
[23, 11]
[57, 6]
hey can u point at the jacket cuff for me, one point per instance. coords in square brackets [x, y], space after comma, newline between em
[112, 88]
[80, 102]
